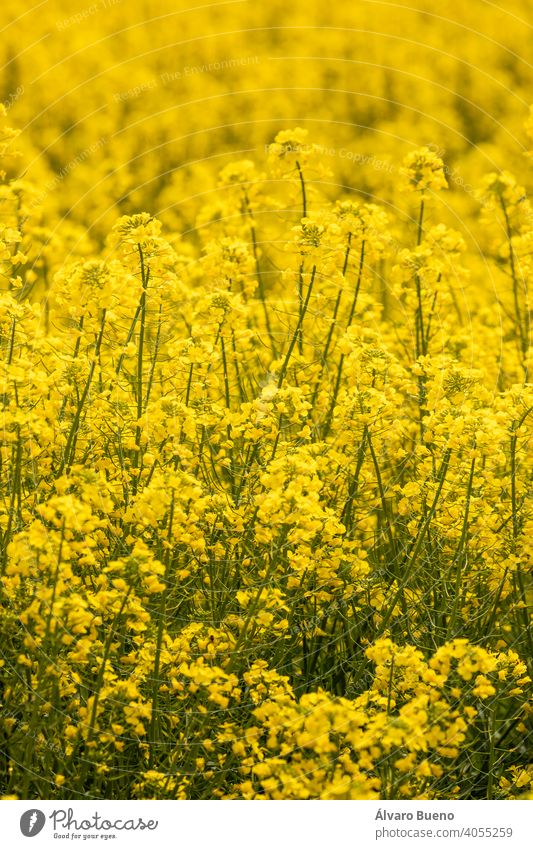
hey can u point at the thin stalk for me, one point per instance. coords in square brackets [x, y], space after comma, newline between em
[460, 553]
[153, 734]
[154, 358]
[332, 326]
[15, 493]
[145, 274]
[70, 446]
[101, 671]
[304, 192]
[259, 275]
[413, 557]
[523, 329]
[492, 748]
[340, 367]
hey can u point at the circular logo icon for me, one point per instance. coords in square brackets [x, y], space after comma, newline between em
[32, 822]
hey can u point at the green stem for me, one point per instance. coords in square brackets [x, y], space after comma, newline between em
[145, 274]
[304, 193]
[296, 333]
[70, 446]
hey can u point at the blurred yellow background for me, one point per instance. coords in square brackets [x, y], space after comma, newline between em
[136, 105]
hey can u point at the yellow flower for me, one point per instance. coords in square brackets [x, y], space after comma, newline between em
[424, 171]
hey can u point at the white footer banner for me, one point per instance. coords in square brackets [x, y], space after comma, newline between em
[276, 825]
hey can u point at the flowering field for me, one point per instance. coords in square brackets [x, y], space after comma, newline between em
[266, 514]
